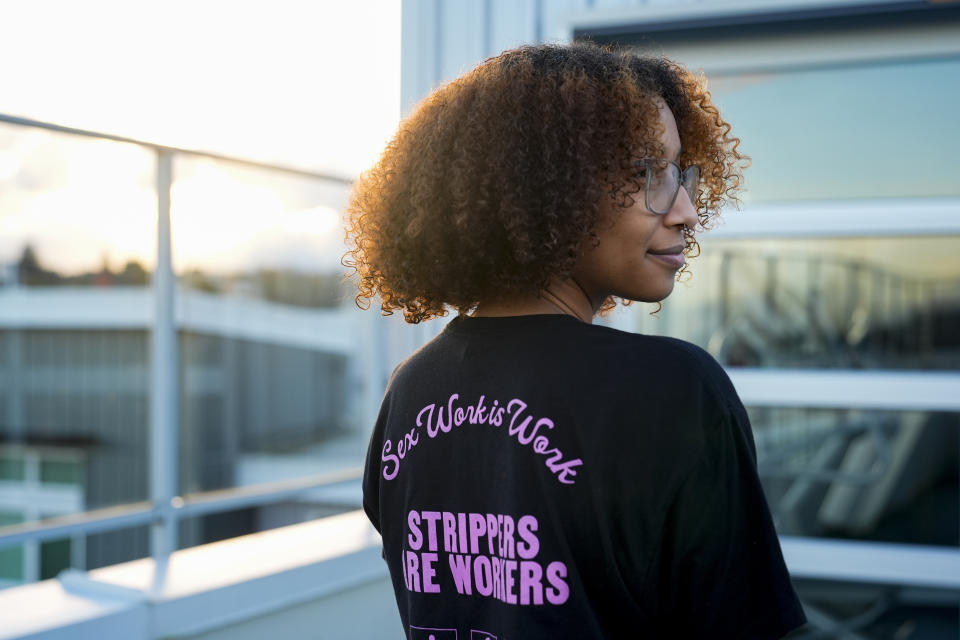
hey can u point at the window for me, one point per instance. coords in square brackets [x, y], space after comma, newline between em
[871, 130]
[60, 472]
[12, 468]
[11, 558]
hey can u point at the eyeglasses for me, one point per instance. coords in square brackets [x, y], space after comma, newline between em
[663, 184]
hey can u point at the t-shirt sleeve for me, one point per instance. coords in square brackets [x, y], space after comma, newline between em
[722, 572]
[370, 483]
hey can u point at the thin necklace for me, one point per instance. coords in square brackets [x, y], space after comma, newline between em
[561, 305]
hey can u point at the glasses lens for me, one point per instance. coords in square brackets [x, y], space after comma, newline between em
[691, 182]
[662, 186]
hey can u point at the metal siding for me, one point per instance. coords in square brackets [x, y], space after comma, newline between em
[775, 52]
[461, 38]
[600, 5]
[512, 23]
[556, 18]
[14, 413]
[690, 14]
[417, 52]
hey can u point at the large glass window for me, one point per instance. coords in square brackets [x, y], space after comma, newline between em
[868, 130]
[888, 476]
[860, 303]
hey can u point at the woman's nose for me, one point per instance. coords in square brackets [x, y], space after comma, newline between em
[683, 211]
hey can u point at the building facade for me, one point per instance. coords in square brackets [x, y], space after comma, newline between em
[74, 401]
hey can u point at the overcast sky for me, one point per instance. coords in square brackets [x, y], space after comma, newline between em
[315, 84]
[307, 84]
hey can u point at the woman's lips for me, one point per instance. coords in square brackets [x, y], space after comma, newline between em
[675, 260]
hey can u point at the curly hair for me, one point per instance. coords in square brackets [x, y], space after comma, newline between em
[495, 182]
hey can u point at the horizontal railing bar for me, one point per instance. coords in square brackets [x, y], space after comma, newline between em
[95, 521]
[27, 122]
[236, 498]
[141, 513]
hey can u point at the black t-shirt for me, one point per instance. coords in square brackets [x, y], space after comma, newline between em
[540, 477]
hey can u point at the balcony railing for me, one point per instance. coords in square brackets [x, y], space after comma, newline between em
[166, 507]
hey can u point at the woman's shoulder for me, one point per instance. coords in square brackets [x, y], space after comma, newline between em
[686, 360]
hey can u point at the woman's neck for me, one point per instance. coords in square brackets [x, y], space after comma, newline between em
[560, 296]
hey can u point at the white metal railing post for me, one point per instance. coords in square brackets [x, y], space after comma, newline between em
[164, 414]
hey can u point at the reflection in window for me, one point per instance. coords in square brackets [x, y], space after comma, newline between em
[265, 353]
[857, 303]
[75, 211]
[872, 475]
[254, 233]
[850, 131]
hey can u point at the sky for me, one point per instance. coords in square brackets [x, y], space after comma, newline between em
[314, 85]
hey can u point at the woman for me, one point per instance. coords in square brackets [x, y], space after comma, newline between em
[535, 475]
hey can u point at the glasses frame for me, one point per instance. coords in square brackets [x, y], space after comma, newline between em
[692, 171]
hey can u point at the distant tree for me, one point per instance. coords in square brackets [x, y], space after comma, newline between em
[196, 279]
[28, 258]
[29, 271]
[133, 274]
[301, 289]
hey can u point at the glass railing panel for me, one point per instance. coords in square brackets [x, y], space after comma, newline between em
[254, 233]
[75, 211]
[77, 244]
[269, 383]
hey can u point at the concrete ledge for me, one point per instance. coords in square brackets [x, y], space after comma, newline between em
[205, 588]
